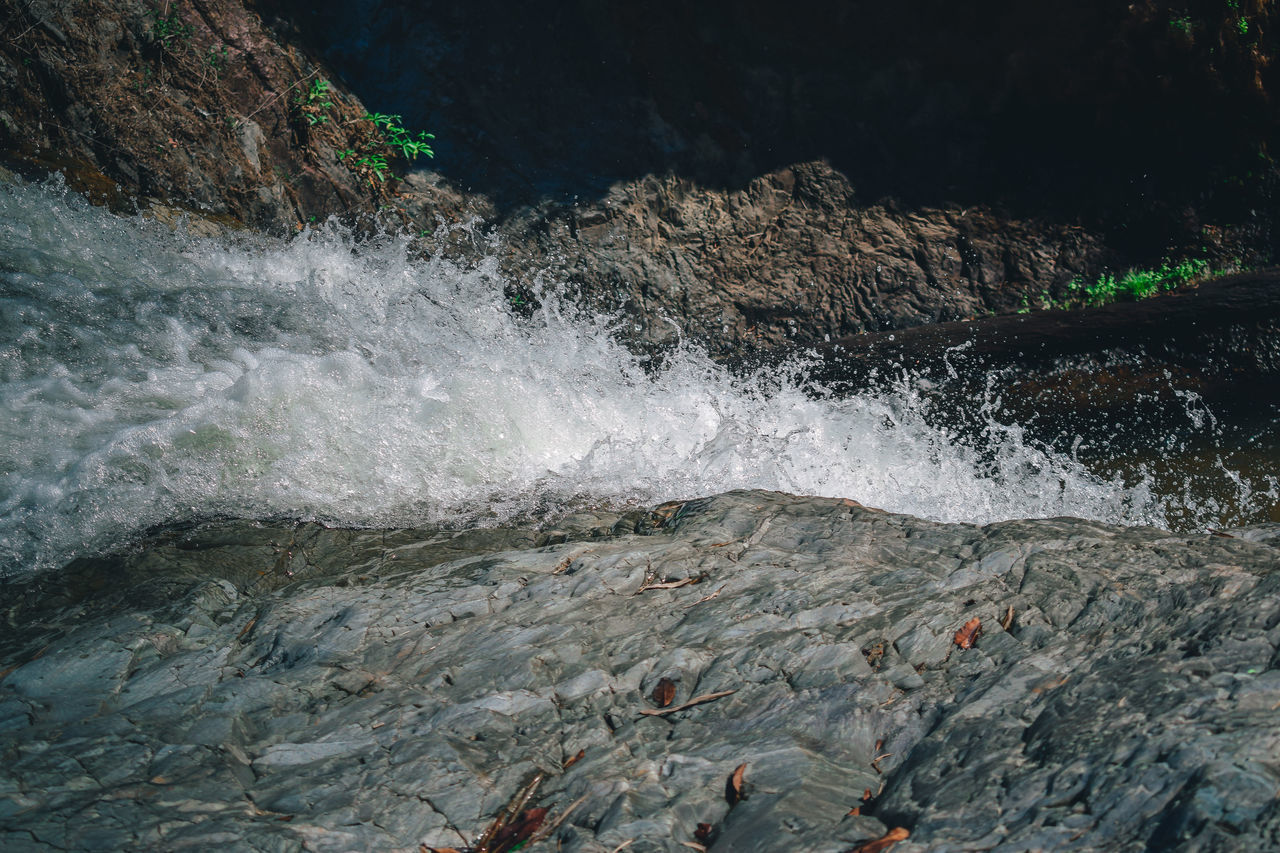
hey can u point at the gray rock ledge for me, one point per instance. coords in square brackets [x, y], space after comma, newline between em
[244, 687]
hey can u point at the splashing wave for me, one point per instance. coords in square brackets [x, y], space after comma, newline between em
[148, 376]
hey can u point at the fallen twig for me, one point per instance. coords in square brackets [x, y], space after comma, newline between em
[708, 597]
[697, 700]
[669, 584]
[509, 813]
[551, 827]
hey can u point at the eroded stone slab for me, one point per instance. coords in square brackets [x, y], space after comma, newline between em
[382, 690]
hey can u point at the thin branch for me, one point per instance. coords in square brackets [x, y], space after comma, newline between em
[697, 700]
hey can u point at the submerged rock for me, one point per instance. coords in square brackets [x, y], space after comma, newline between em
[312, 689]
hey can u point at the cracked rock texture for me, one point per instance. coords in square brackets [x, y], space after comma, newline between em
[791, 258]
[239, 686]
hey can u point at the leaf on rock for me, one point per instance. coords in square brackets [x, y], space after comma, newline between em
[512, 815]
[518, 831]
[880, 845]
[733, 787]
[966, 636]
[1007, 622]
[664, 693]
[703, 832]
[874, 654]
[572, 760]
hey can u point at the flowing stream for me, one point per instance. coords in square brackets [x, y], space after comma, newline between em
[151, 377]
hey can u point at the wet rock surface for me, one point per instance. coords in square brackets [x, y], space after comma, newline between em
[793, 258]
[300, 688]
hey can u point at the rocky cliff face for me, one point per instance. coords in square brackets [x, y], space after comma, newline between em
[1048, 685]
[188, 105]
[793, 259]
[755, 175]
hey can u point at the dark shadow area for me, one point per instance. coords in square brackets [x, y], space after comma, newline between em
[1183, 390]
[1147, 120]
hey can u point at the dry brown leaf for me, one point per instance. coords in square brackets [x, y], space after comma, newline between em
[697, 700]
[1007, 622]
[518, 831]
[664, 514]
[866, 795]
[1049, 684]
[510, 814]
[703, 832]
[880, 845]
[664, 693]
[573, 759]
[966, 636]
[854, 812]
[733, 787]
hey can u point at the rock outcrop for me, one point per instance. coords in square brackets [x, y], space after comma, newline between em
[303, 688]
[792, 259]
[193, 106]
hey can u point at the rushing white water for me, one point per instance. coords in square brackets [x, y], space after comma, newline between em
[148, 377]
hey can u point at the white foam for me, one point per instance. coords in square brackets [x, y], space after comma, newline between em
[147, 376]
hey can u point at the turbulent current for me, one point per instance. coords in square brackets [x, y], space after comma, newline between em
[150, 377]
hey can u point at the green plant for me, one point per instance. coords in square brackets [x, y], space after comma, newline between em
[1135, 284]
[166, 27]
[397, 136]
[313, 101]
[1181, 24]
[216, 59]
[373, 165]
[1242, 26]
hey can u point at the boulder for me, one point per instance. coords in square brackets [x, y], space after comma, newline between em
[286, 688]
